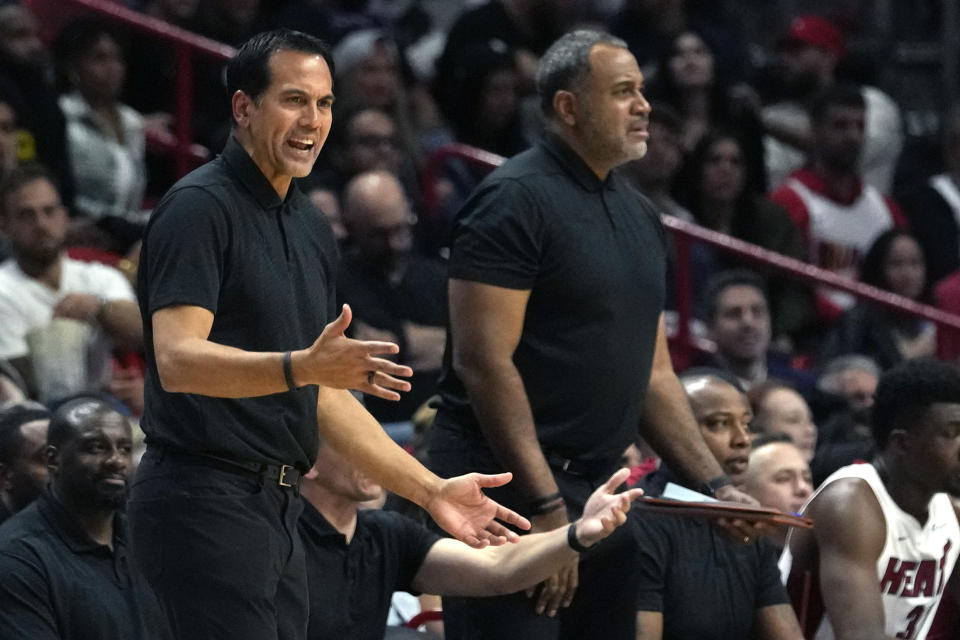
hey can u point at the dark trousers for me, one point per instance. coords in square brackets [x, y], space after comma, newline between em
[604, 605]
[220, 549]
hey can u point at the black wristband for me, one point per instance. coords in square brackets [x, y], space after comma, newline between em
[711, 487]
[288, 372]
[572, 539]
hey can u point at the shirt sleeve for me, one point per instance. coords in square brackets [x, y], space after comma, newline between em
[26, 609]
[413, 541]
[112, 285]
[498, 237]
[770, 590]
[185, 250]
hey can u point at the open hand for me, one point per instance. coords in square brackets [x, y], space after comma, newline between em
[606, 510]
[462, 510]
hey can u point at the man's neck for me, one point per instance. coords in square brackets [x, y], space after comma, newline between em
[842, 184]
[752, 371]
[601, 167]
[96, 522]
[48, 273]
[903, 488]
[339, 511]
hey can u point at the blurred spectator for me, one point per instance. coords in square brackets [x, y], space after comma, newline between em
[738, 322]
[715, 190]
[894, 263]
[778, 476]
[854, 377]
[933, 209]
[690, 82]
[809, 54]
[681, 561]
[73, 312]
[396, 294]
[8, 136]
[778, 408]
[838, 214]
[654, 173]
[105, 137]
[64, 568]
[884, 545]
[329, 20]
[23, 456]
[328, 203]
[26, 78]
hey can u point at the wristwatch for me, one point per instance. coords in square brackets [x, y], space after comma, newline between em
[711, 487]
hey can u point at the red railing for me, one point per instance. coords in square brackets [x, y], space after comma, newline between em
[685, 234]
[186, 45]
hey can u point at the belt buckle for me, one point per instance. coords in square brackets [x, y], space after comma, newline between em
[282, 481]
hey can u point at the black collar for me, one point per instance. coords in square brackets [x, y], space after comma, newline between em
[318, 528]
[248, 174]
[573, 164]
[65, 525]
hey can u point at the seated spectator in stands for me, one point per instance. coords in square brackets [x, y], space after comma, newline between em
[64, 565]
[40, 284]
[357, 558]
[396, 294]
[886, 536]
[23, 456]
[808, 59]
[693, 579]
[738, 322]
[328, 202]
[27, 80]
[654, 173]
[8, 136]
[778, 408]
[894, 263]
[716, 181]
[838, 214]
[778, 476]
[105, 137]
[689, 81]
[933, 209]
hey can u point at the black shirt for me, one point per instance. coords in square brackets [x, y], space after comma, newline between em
[57, 583]
[222, 239]
[593, 255]
[350, 585]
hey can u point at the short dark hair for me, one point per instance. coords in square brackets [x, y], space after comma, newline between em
[844, 94]
[74, 414]
[907, 390]
[763, 439]
[249, 70]
[11, 420]
[78, 38]
[22, 175]
[721, 375]
[567, 63]
[720, 282]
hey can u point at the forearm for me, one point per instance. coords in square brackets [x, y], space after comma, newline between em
[350, 429]
[672, 430]
[196, 365]
[121, 320]
[498, 397]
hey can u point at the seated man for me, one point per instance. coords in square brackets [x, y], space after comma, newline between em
[692, 579]
[40, 283]
[23, 459]
[886, 536]
[778, 476]
[357, 559]
[64, 566]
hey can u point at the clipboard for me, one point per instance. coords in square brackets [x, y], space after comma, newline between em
[716, 509]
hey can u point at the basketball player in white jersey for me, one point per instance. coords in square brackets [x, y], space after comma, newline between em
[886, 536]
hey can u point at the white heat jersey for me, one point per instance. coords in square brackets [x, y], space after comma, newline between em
[916, 561]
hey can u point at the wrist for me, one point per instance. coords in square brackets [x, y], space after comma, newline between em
[573, 538]
[97, 316]
[711, 487]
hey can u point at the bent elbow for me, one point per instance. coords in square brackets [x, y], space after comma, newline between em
[169, 372]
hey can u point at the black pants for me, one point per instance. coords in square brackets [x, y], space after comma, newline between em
[220, 550]
[604, 605]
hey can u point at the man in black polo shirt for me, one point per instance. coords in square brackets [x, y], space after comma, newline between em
[558, 347]
[23, 460]
[236, 283]
[64, 567]
[357, 559]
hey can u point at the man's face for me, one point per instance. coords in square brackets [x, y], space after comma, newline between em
[19, 38]
[803, 67]
[724, 416]
[28, 475]
[934, 452]
[611, 118]
[839, 136]
[340, 478]
[8, 138]
[741, 324]
[95, 467]
[35, 221]
[858, 387]
[785, 411]
[779, 477]
[288, 125]
[372, 143]
[384, 234]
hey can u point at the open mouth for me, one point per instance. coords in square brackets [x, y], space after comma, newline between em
[301, 144]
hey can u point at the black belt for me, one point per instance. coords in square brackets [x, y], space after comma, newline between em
[579, 467]
[285, 475]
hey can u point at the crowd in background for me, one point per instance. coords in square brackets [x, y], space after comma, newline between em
[781, 140]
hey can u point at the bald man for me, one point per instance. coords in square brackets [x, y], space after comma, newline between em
[396, 294]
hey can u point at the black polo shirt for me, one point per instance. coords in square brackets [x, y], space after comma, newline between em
[350, 585]
[57, 583]
[593, 255]
[222, 239]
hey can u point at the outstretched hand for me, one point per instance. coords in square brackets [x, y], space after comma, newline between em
[339, 362]
[462, 510]
[606, 510]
